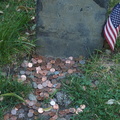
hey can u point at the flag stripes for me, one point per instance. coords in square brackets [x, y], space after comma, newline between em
[112, 27]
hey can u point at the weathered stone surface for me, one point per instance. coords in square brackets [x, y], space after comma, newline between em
[69, 27]
[102, 3]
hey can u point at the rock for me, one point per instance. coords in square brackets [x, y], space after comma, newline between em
[62, 99]
[32, 97]
[82, 62]
[57, 72]
[69, 27]
[21, 115]
[22, 72]
[13, 111]
[31, 76]
[34, 84]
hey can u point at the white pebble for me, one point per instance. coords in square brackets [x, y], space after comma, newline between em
[52, 102]
[13, 112]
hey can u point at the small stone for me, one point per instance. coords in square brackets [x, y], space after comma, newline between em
[18, 106]
[30, 65]
[49, 73]
[46, 95]
[38, 69]
[27, 72]
[82, 106]
[32, 97]
[56, 72]
[34, 107]
[34, 61]
[40, 86]
[84, 88]
[36, 113]
[50, 84]
[58, 85]
[54, 85]
[21, 115]
[82, 62]
[30, 114]
[24, 64]
[44, 78]
[45, 84]
[52, 102]
[31, 76]
[55, 76]
[52, 61]
[96, 82]
[56, 106]
[54, 81]
[1, 98]
[34, 84]
[22, 72]
[67, 61]
[49, 66]
[40, 61]
[42, 94]
[70, 71]
[71, 58]
[13, 111]
[21, 111]
[31, 103]
[40, 110]
[62, 99]
[79, 110]
[23, 77]
[52, 70]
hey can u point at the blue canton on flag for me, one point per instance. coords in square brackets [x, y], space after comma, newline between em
[112, 27]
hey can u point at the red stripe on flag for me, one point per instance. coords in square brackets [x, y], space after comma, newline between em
[111, 45]
[110, 33]
[108, 39]
[113, 33]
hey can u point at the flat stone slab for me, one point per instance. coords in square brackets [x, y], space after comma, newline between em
[69, 27]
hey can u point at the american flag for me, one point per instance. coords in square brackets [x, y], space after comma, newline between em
[112, 27]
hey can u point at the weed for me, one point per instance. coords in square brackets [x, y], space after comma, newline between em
[99, 85]
[13, 92]
[12, 25]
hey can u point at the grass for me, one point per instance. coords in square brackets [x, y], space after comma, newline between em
[14, 23]
[101, 81]
[16, 93]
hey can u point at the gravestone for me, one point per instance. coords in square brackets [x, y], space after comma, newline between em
[70, 27]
